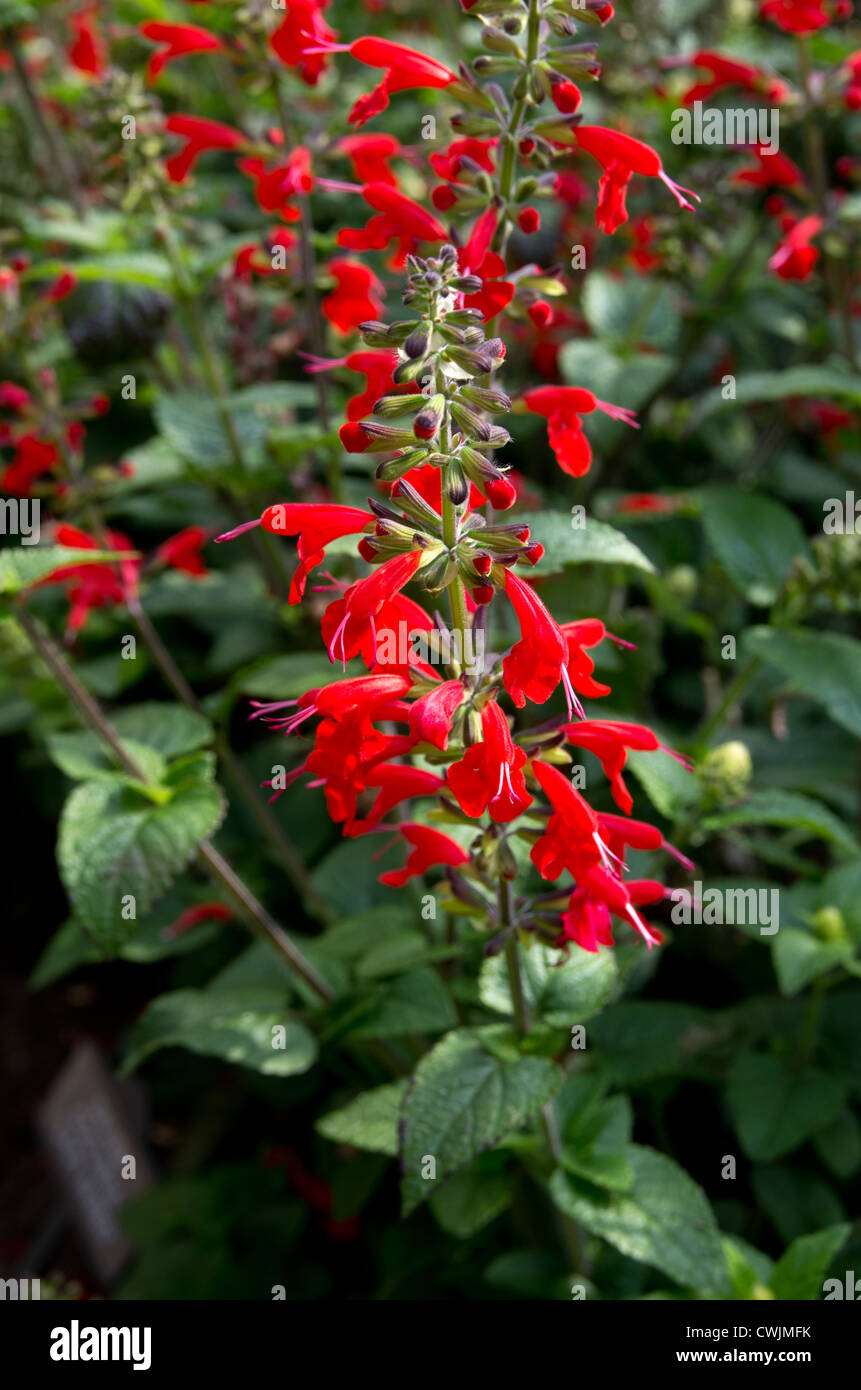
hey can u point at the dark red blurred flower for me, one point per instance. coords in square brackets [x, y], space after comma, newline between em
[357, 297]
[177, 40]
[200, 135]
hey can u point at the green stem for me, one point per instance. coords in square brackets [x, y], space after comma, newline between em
[253, 911]
[733, 693]
[57, 155]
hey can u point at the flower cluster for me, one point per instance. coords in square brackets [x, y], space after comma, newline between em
[403, 730]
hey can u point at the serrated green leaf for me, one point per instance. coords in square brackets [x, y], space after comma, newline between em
[594, 543]
[221, 1025]
[461, 1100]
[562, 992]
[799, 1273]
[369, 1122]
[664, 1220]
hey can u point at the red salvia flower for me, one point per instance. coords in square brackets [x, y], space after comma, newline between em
[562, 407]
[477, 257]
[177, 40]
[316, 524]
[396, 782]
[729, 72]
[489, 776]
[182, 551]
[429, 848]
[621, 156]
[349, 622]
[357, 297]
[536, 664]
[774, 170]
[405, 70]
[610, 740]
[369, 155]
[296, 40]
[200, 135]
[432, 714]
[88, 51]
[796, 16]
[32, 458]
[397, 217]
[795, 258]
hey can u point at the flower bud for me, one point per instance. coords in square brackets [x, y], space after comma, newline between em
[727, 769]
[500, 493]
[428, 420]
[482, 593]
[467, 284]
[418, 342]
[829, 925]
[456, 483]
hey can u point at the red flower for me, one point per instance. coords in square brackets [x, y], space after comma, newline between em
[377, 367]
[200, 135]
[621, 156]
[795, 258]
[296, 40]
[771, 170]
[489, 776]
[477, 257]
[397, 217]
[369, 155]
[274, 187]
[397, 782]
[88, 52]
[536, 664]
[182, 551]
[96, 584]
[432, 714]
[405, 70]
[31, 459]
[571, 840]
[587, 632]
[430, 847]
[13, 396]
[610, 741]
[561, 407]
[796, 16]
[357, 297]
[728, 72]
[601, 893]
[349, 622]
[566, 97]
[178, 40]
[316, 525]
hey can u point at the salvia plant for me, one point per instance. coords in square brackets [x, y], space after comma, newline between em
[386, 501]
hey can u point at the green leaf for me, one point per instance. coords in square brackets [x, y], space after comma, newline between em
[668, 785]
[627, 380]
[84, 757]
[824, 666]
[470, 1200]
[746, 1266]
[463, 1099]
[755, 387]
[797, 1203]
[755, 538]
[416, 1002]
[122, 267]
[775, 1108]
[839, 1145]
[286, 677]
[562, 992]
[789, 809]
[169, 729]
[630, 309]
[799, 1273]
[664, 1220]
[800, 957]
[369, 1122]
[221, 1025]
[593, 543]
[27, 564]
[115, 846]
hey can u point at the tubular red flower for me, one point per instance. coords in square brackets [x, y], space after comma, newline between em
[298, 37]
[562, 407]
[177, 41]
[729, 72]
[357, 297]
[200, 135]
[397, 216]
[315, 523]
[369, 155]
[432, 714]
[795, 258]
[535, 665]
[396, 783]
[489, 776]
[182, 551]
[621, 156]
[405, 69]
[610, 741]
[350, 621]
[430, 848]
[88, 52]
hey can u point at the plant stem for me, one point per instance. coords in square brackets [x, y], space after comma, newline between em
[57, 155]
[733, 693]
[91, 713]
